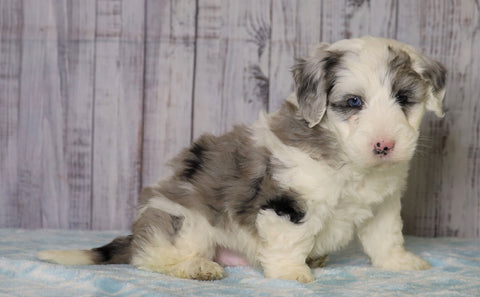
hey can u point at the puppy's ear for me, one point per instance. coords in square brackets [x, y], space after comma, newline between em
[311, 84]
[436, 75]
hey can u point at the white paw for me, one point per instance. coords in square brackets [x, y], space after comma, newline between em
[207, 270]
[305, 277]
[199, 269]
[301, 274]
[403, 260]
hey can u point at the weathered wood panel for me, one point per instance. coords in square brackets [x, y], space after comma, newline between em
[118, 105]
[353, 18]
[296, 27]
[95, 96]
[53, 184]
[76, 33]
[39, 108]
[11, 23]
[169, 65]
[231, 84]
[443, 196]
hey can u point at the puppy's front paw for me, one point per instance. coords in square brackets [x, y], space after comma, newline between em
[301, 274]
[403, 260]
[305, 277]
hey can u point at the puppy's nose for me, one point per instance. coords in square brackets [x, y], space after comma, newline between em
[383, 147]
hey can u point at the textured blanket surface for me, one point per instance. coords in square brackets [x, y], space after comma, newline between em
[455, 272]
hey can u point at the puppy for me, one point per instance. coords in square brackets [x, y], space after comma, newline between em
[300, 182]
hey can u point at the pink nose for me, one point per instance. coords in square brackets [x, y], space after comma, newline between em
[383, 147]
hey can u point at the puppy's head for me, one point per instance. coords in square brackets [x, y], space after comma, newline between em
[372, 94]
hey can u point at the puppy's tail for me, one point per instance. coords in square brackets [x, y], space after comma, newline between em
[116, 252]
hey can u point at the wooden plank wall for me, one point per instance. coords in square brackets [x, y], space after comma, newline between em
[96, 96]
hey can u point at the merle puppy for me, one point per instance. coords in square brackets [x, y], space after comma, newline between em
[300, 182]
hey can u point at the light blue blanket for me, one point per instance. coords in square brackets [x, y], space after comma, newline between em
[455, 272]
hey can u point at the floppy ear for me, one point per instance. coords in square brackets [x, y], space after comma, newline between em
[436, 75]
[311, 85]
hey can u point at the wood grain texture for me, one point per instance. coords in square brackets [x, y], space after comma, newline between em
[443, 196]
[11, 22]
[231, 78]
[76, 67]
[355, 18]
[169, 66]
[118, 105]
[296, 27]
[97, 95]
[53, 168]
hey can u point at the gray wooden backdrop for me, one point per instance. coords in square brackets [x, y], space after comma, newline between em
[95, 96]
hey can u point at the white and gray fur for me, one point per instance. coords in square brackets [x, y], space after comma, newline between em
[300, 182]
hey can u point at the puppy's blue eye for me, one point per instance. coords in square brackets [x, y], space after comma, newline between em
[354, 102]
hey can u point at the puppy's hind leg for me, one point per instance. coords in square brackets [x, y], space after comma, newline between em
[180, 246]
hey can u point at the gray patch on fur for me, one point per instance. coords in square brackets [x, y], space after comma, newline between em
[435, 73]
[331, 67]
[408, 87]
[266, 194]
[289, 126]
[224, 178]
[314, 78]
[153, 220]
[159, 219]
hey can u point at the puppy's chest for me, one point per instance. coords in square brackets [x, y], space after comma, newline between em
[347, 200]
[369, 189]
[335, 188]
[349, 207]
[338, 200]
[333, 222]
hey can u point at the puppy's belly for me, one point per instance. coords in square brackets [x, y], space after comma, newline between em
[226, 257]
